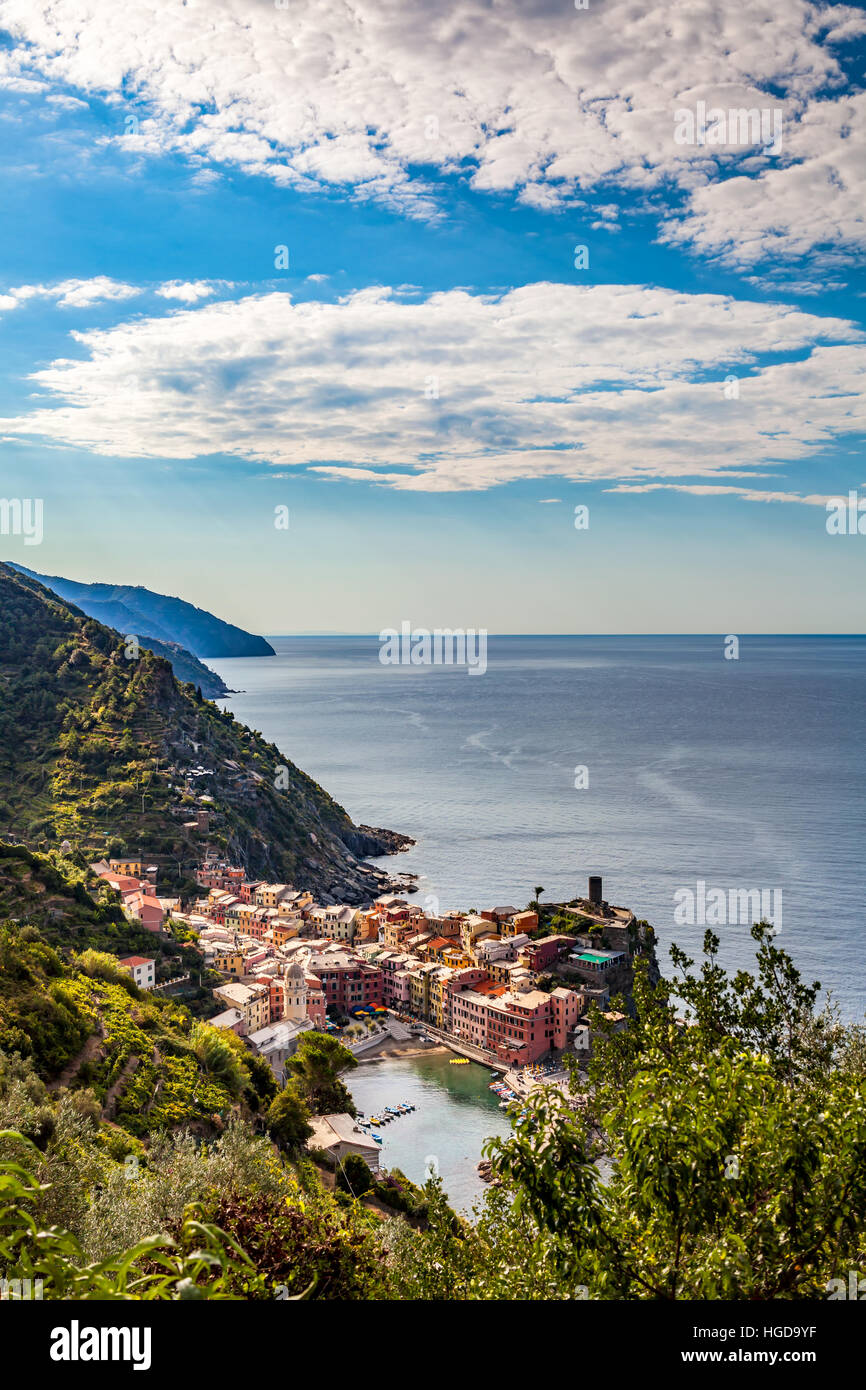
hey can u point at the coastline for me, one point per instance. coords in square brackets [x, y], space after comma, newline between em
[399, 1047]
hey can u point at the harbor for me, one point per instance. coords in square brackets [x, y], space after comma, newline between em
[453, 1111]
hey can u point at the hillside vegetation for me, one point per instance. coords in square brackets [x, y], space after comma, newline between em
[103, 751]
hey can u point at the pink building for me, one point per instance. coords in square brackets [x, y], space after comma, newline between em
[232, 1019]
[394, 967]
[347, 981]
[518, 1027]
[538, 955]
[145, 909]
[316, 1011]
[567, 1005]
[216, 875]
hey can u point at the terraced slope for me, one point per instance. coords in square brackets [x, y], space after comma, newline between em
[114, 755]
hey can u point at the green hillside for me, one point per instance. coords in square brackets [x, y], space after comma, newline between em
[106, 751]
[148, 1064]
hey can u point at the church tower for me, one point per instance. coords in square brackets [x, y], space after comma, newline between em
[294, 992]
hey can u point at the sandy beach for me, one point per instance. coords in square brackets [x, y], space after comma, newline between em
[392, 1047]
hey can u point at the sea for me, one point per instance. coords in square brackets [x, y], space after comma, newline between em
[691, 777]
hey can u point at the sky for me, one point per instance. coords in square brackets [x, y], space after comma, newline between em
[328, 316]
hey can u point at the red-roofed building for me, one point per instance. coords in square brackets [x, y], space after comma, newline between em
[147, 910]
[436, 948]
[141, 968]
[122, 883]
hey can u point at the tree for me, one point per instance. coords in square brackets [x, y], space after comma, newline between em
[354, 1176]
[737, 1144]
[218, 1057]
[316, 1068]
[538, 892]
[287, 1120]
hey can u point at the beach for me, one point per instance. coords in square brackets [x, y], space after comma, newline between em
[398, 1047]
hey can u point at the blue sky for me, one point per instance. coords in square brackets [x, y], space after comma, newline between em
[432, 385]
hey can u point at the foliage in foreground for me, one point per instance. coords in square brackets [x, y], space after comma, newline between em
[736, 1135]
[719, 1152]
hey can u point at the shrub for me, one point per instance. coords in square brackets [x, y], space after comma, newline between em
[354, 1176]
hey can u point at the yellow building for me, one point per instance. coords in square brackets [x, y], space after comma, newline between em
[283, 930]
[420, 984]
[239, 917]
[128, 868]
[367, 924]
[271, 894]
[231, 962]
[439, 1011]
[252, 1000]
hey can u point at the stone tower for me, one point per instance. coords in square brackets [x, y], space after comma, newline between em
[294, 992]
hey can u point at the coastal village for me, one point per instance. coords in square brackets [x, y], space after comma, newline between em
[493, 986]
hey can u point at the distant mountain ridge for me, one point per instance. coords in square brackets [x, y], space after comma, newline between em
[134, 610]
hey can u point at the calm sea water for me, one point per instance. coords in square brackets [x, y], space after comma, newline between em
[743, 774]
[455, 1112]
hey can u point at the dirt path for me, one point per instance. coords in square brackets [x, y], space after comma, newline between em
[87, 1054]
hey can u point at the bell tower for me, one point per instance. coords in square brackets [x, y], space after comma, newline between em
[294, 992]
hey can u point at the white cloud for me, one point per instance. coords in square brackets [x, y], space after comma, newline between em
[463, 391]
[71, 294]
[189, 291]
[529, 96]
[66, 103]
[812, 499]
[815, 197]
